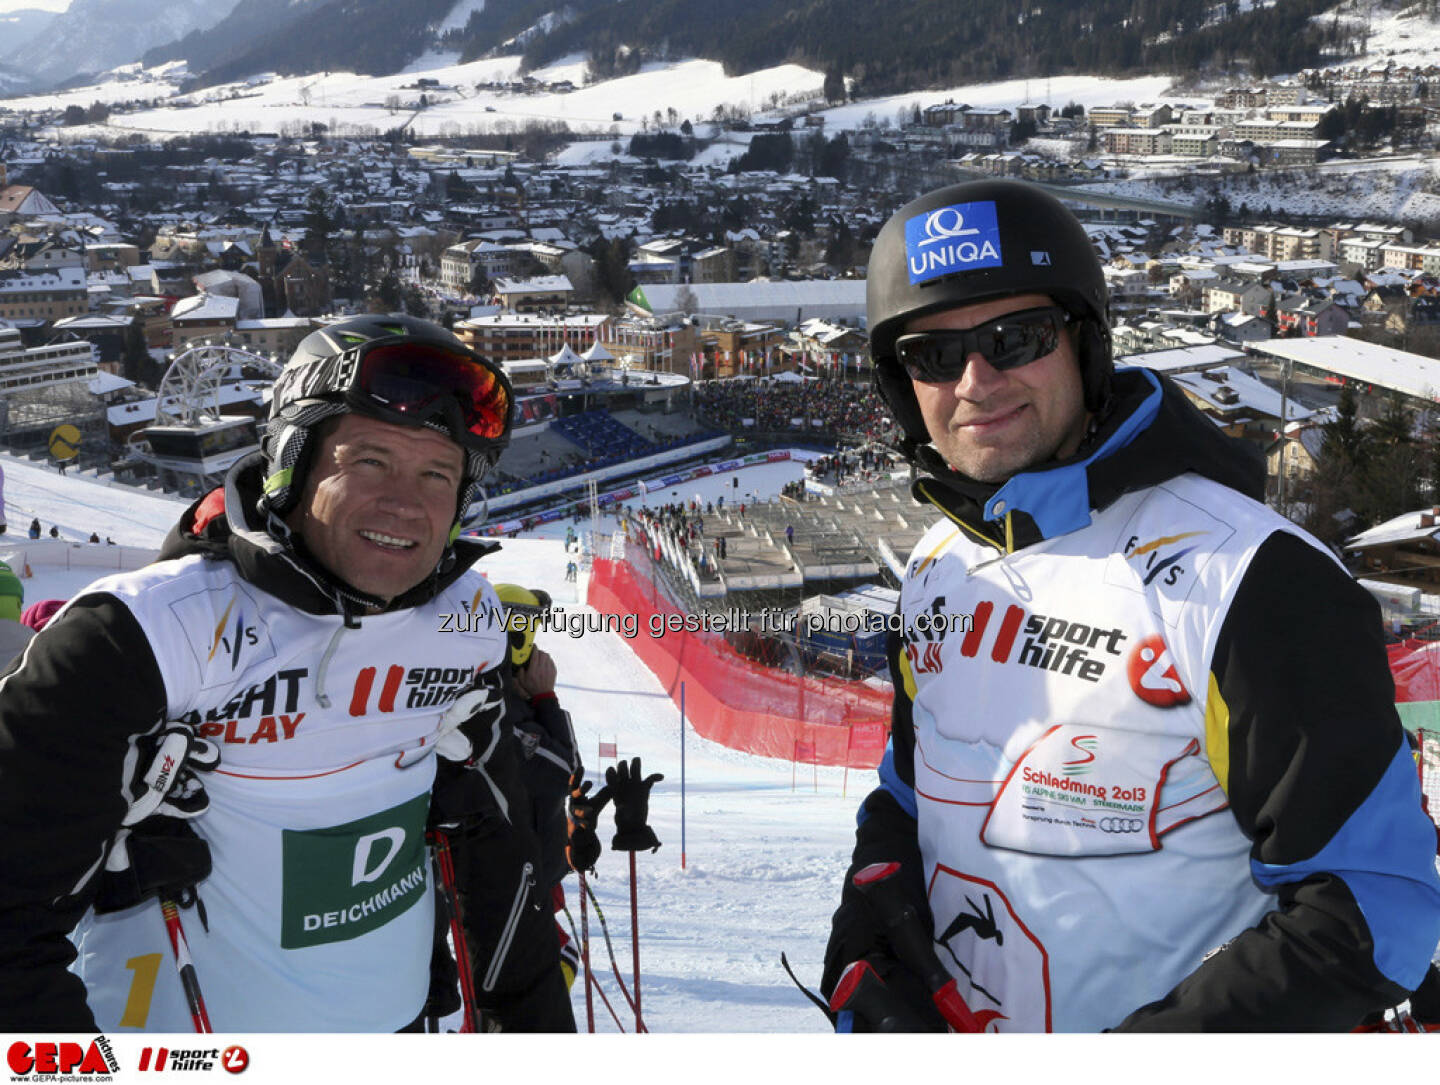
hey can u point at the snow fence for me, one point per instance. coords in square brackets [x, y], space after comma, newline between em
[737, 702]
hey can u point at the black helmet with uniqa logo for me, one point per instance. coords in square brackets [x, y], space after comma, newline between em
[976, 242]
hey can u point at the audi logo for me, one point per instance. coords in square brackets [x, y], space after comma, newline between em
[1121, 825]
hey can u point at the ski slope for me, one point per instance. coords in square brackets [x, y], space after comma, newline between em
[763, 862]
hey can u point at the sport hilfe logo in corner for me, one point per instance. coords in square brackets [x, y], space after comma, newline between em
[957, 237]
[234, 1059]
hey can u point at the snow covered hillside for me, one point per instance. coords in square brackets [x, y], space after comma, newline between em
[763, 862]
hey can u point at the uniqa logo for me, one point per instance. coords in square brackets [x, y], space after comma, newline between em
[944, 224]
[957, 237]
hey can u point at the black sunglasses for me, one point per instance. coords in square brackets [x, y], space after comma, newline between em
[1007, 342]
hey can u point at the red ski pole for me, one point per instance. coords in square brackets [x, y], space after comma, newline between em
[180, 948]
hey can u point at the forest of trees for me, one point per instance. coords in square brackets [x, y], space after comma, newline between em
[1370, 470]
[884, 48]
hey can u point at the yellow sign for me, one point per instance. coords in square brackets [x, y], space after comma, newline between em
[65, 442]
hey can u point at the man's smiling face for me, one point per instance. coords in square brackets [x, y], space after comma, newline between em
[379, 503]
[990, 424]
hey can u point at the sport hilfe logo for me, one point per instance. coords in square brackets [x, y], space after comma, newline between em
[1044, 642]
[957, 237]
[1152, 674]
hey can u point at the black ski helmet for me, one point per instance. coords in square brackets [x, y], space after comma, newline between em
[974, 242]
[298, 405]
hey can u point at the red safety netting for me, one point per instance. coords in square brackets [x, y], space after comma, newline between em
[739, 703]
[1415, 666]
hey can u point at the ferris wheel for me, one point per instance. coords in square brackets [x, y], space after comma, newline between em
[189, 393]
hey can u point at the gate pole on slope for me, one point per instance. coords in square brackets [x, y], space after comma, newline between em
[682, 775]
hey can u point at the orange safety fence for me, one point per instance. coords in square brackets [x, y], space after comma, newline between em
[737, 702]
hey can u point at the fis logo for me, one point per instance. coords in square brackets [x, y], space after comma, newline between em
[1152, 674]
[47, 1060]
[232, 638]
[1152, 564]
[958, 237]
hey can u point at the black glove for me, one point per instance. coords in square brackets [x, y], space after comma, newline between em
[631, 795]
[156, 853]
[582, 849]
[858, 934]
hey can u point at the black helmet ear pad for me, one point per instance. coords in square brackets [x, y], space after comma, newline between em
[895, 388]
[1093, 350]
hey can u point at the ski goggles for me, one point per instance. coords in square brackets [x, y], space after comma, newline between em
[1007, 342]
[413, 383]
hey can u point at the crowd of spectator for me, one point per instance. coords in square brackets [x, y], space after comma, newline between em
[850, 411]
[853, 466]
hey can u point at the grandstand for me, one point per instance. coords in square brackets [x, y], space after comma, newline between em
[863, 534]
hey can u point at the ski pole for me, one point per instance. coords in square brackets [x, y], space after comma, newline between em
[863, 993]
[610, 949]
[635, 936]
[445, 867]
[595, 979]
[189, 981]
[912, 942]
[585, 955]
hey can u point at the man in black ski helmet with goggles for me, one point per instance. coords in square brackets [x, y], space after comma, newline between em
[1147, 765]
[248, 727]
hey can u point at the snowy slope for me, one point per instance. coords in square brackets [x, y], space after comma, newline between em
[763, 863]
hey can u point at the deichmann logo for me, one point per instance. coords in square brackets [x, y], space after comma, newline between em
[45, 1059]
[1049, 643]
[347, 880]
[958, 237]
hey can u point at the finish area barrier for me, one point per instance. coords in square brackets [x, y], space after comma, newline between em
[740, 703]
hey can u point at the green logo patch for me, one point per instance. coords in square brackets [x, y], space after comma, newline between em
[347, 880]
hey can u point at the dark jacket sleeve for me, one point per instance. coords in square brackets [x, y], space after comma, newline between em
[69, 708]
[885, 832]
[1304, 737]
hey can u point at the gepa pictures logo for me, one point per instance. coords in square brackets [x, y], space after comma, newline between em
[45, 1059]
[957, 237]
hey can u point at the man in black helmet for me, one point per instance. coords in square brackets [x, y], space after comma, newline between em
[1144, 770]
[246, 728]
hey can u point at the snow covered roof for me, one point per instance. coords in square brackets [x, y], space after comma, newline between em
[1249, 393]
[1407, 527]
[1183, 359]
[207, 307]
[1399, 370]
